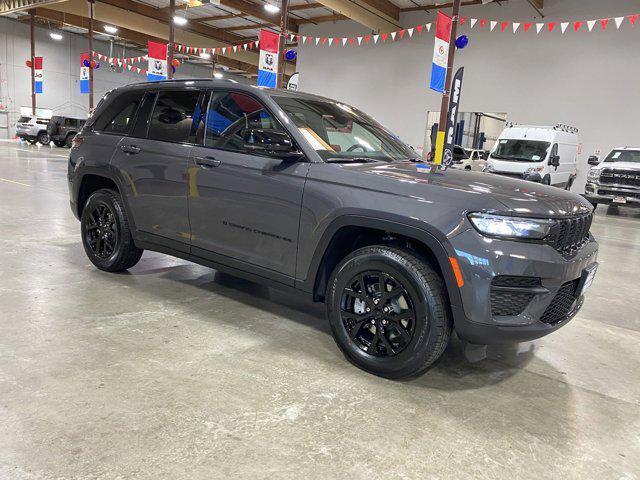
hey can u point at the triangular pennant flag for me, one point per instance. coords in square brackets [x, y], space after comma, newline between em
[634, 18]
[393, 35]
[503, 26]
[257, 43]
[324, 40]
[359, 40]
[563, 26]
[463, 20]
[576, 25]
[331, 41]
[245, 46]
[304, 39]
[384, 36]
[419, 28]
[224, 50]
[483, 23]
[367, 38]
[235, 48]
[352, 40]
[493, 25]
[539, 27]
[410, 32]
[317, 40]
[619, 21]
[428, 25]
[527, 26]
[604, 22]
[292, 37]
[590, 24]
[298, 38]
[401, 33]
[344, 41]
[473, 22]
[515, 27]
[375, 38]
[551, 26]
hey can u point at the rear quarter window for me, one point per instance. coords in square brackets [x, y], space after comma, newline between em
[118, 116]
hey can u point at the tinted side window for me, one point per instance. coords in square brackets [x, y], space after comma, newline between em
[173, 116]
[144, 114]
[232, 117]
[118, 116]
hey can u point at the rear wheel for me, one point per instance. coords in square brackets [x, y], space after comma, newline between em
[69, 140]
[388, 311]
[106, 235]
[59, 143]
[44, 139]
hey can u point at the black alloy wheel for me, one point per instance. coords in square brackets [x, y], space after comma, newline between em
[101, 231]
[378, 313]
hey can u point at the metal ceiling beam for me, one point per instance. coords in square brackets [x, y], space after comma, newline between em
[323, 18]
[378, 15]
[11, 6]
[427, 8]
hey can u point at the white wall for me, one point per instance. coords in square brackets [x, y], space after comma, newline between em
[588, 80]
[61, 71]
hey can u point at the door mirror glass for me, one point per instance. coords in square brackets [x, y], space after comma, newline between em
[554, 160]
[593, 160]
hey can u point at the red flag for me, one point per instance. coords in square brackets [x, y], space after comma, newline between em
[463, 20]
[352, 41]
[527, 26]
[551, 26]
[401, 33]
[483, 23]
[503, 26]
[576, 25]
[419, 28]
[367, 38]
[324, 40]
[384, 37]
[604, 22]
[633, 18]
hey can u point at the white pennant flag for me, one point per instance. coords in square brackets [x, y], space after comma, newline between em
[493, 24]
[393, 35]
[257, 43]
[244, 46]
[292, 37]
[224, 50]
[563, 26]
[304, 39]
[590, 24]
[473, 22]
[619, 21]
[515, 27]
[359, 40]
[428, 27]
[330, 41]
[344, 41]
[317, 40]
[235, 48]
[410, 32]
[375, 38]
[539, 27]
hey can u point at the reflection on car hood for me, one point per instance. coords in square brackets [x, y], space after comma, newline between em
[517, 196]
[619, 166]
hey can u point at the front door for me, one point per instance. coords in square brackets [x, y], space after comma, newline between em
[244, 207]
[154, 166]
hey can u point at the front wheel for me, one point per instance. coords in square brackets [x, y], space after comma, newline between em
[59, 143]
[44, 139]
[106, 234]
[69, 140]
[388, 311]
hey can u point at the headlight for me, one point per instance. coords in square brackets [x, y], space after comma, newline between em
[488, 168]
[511, 227]
[534, 170]
[594, 174]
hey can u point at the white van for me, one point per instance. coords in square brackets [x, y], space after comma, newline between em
[540, 154]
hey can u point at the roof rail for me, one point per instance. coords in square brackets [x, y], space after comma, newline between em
[565, 128]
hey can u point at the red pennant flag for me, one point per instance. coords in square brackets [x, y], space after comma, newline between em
[576, 25]
[298, 38]
[401, 33]
[633, 18]
[352, 40]
[367, 38]
[324, 40]
[463, 20]
[527, 26]
[503, 26]
[604, 22]
[384, 37]
[551, 26]
[419, 28]
[483, 23]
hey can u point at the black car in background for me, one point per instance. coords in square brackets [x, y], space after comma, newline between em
[61, 129]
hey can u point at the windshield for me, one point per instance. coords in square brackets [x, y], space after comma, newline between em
[624, 156]
[342, 133]
[521, 150]
[24, 119]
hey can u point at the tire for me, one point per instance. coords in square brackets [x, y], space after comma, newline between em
[546, 180]
[44, 139]
[428, 319]
[69, 140]
[467, 168]
[32, 141]
[59, 143]
[104, 218]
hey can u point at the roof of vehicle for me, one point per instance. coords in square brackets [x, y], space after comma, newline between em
[635, 149]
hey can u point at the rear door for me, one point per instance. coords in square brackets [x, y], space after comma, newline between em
[244, 207]
[154, 161]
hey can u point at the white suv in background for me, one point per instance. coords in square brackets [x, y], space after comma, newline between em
[615, 181]
[33, 129]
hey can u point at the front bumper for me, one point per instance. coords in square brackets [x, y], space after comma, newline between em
[481, 259]
[611, 194]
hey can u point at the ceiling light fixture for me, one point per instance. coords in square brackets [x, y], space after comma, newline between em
[110, 29]
[269, 7]
[178, 20]
[56, 36]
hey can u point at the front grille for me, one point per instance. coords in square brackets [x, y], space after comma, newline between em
[571, 234]
[510, 175]
[506, 299]
[619, 194]
[560, 307]
[629, 178]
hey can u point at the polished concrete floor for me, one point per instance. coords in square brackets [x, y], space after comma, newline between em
[175, 371]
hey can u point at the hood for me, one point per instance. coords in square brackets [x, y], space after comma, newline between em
[618, 166]
[483, 191]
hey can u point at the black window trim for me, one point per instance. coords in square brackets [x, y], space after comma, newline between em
[102, 132]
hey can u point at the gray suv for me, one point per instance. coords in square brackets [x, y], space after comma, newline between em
[311, 195]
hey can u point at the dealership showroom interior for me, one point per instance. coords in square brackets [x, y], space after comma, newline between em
[319, 239]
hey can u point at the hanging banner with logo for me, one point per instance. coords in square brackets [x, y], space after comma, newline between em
[37, 67]
[268, 65]
[84, 72]
[440, 52]
[452, 117]
[157, 56]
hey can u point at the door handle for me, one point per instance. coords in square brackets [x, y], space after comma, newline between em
[133, 149]
[206, 162]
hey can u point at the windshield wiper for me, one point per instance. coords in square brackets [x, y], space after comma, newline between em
[350, 160]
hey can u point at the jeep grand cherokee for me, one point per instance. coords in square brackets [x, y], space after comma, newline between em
[305, 193]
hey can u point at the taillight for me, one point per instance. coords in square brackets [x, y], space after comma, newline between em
[77, 141]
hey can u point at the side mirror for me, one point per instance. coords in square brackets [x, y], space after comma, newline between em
[593, 160]
[554, 160]
[269, 142]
